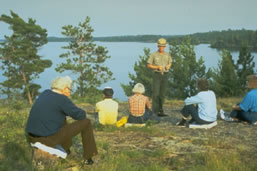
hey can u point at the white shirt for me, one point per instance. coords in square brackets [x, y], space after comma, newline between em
[206, 100]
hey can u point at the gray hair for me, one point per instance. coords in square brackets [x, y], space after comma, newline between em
[61, 82]
[139, 88]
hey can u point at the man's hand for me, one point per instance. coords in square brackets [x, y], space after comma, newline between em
[167, 67]
[160, 68]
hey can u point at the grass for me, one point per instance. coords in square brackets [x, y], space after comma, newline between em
[156, 147]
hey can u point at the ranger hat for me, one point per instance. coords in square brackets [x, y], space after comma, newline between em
[162, 42]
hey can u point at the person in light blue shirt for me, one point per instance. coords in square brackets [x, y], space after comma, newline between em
[246, 110]
[201, 107]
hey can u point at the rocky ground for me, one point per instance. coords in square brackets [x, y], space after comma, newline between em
[176, 143]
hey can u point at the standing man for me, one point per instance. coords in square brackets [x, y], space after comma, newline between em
[160, 63]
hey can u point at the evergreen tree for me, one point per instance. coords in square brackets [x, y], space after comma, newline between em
[185, 70]
[142, 75]
[225, 78]
[85, 58]
[18, 54]
[245, 66]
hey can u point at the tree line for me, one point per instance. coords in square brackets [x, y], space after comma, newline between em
[21, 64]
[226, 39]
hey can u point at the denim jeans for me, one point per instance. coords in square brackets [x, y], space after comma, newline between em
[64, 137]
[193, 111]
[139, 119]
[250, 117]
[159, 88]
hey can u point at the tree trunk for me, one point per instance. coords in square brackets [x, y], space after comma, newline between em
[26, 87]
[81, 79]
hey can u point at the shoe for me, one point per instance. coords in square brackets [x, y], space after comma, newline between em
[161, 114]
[182, 123]
[192, 121]
[255, 123]
[225, 116]
[222, 114]
[89, 162]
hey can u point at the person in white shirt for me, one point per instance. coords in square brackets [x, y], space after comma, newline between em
[201, 107]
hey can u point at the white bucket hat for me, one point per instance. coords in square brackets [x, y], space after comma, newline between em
[139, 88]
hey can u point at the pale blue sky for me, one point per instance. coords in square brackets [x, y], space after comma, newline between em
[133, 17]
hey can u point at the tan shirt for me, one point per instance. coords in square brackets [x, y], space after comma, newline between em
[160, 59]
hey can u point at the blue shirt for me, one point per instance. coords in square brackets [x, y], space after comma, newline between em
[249, 103]
[206, 101]
[49, 111]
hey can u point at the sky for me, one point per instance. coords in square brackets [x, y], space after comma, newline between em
[135, 17]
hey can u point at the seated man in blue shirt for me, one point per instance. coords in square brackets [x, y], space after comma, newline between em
[246, 110]
[47, 120]
[201, 107]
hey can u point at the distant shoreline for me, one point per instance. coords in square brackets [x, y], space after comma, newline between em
[226, 39]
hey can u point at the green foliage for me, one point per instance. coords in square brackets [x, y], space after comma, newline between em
[18, 54]
[84, 58]
[92, 95]
[244, 66]
[142, 75]
[225, 79]
[233, 39]
[185, 70]
[230, 78]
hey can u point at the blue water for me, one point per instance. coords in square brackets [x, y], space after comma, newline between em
[123, 57]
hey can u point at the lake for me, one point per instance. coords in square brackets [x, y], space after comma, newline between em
[123, 57]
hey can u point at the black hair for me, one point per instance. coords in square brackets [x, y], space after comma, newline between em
[108, 92]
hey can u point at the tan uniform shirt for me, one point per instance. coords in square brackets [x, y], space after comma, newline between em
[160, 59]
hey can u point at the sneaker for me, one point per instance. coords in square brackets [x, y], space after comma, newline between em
[255, 123]
[225, 116]
[89, 162]
[222, 114]
[182, 123]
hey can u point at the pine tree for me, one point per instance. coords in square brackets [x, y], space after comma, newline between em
[142, 75]
[225, 78]
[18, 53]
[185, 70]
[84, 58]
[245, 66]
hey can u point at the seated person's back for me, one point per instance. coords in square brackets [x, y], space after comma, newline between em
[108, 108]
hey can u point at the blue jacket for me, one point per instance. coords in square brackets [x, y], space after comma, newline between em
[48, 113]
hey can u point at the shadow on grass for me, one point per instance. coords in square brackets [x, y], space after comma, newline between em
[15, 157]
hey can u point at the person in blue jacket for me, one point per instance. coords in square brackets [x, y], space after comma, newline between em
[246, 110]
[47, 124]
[201, 107]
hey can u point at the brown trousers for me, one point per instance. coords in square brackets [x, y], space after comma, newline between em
[64, 137]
